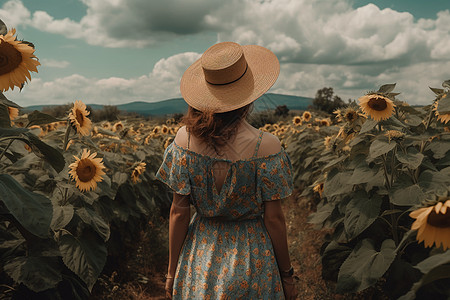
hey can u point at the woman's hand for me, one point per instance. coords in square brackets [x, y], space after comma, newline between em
[169, 287]
[289, 288]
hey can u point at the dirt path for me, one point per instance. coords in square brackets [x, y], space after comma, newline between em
[304, 246]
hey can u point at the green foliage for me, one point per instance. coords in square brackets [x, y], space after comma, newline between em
[390, 168]
[325, 100]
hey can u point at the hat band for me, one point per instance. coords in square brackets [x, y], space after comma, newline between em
[245, 71]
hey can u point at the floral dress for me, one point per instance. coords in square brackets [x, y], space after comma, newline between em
[227, 253]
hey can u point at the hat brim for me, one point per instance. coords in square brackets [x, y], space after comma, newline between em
[262, 71]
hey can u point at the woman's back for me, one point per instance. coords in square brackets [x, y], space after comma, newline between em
[247, 143]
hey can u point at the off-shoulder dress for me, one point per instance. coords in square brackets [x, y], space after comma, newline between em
[227, 253]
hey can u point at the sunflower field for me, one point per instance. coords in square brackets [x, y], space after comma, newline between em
[75, 196]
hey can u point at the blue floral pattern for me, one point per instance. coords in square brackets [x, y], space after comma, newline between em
[227, 253]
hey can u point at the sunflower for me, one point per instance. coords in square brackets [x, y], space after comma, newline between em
[157, 129]
[325, 122]
[138, 170]
[16, 61]
[377, 106]
[87, 170]
[394, 135]
[106, 125]
[433, 223]
[78, 117]
[306, 116]
[164, 129]
[444, 118]
[350, 115]
[117, 126]
[297, 120]
[318, 189]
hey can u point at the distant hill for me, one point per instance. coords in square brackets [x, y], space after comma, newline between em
[178, 105]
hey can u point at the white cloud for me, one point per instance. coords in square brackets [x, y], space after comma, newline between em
[319, 43]
[53, 63]
[162, 83]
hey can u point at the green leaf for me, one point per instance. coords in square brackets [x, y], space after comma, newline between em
[444, 104]
[90, 217]
[321, 214]
[362, 174]
[430, 181]
[5, 122]
[404, 195]
[387, 88]
[364, 266]
[411, 160]
[46, 152]
[9, 132]
[380, 147]
[33, 211]
[84, 255]
[332, 259]
[36, 273]
[437, 91]
[368, 125]
[62, 215]
[5, 101]
[38, 118]
[439, 148]
[360, 213]
[3, 28]
[337, 185]
[433, 261]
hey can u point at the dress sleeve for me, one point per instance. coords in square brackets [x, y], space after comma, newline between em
[275, 177]
[173, 170]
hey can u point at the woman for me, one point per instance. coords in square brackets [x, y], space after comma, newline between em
[235, 246]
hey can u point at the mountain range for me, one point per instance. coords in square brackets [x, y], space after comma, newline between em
[267, 101]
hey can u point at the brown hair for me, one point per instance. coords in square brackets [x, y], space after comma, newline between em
[214, 129]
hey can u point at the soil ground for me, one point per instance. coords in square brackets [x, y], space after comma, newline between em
[304, 246]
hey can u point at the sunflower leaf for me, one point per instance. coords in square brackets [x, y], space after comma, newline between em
[48, 153]
[5, 122]
[360, 213]
[444, 105]
[84, 255]
[365, 265]
[368, 125]
[404, 195]
[95, 221]
[33, 211]
[446, 84]
[412, 160]
[3, 28]
[380, 147]
[387, 88]
[437, 91]
[38, 118]
[5, 101]
[38, 273]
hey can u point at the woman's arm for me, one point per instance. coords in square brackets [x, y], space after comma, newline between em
[178, 226]
[276, 227]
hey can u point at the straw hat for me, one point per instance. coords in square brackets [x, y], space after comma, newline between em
[229, 76]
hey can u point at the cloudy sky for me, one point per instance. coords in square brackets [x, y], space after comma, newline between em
[119, 51]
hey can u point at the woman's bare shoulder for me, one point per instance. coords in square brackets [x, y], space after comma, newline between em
[270, 144]
[181, 137]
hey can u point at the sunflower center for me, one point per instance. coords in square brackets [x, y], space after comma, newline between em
[439, 220]
[377, 103]
[350, 116]
[86, 170]
[80, 117]
[10, 57]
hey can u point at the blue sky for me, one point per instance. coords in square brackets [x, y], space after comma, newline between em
[118, 51]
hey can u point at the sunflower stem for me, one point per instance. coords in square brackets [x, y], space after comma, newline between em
[66, 136]
[6, 148]
[430, 118]
[393, 219]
